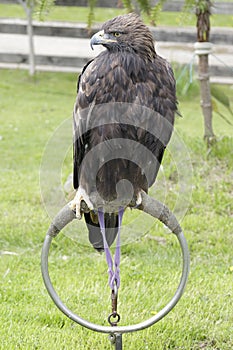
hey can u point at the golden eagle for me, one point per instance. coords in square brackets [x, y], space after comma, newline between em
[126, 101]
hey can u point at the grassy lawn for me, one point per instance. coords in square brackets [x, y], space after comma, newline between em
[31, 110]
[79, 14]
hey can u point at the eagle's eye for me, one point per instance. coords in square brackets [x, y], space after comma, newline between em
[116, 34]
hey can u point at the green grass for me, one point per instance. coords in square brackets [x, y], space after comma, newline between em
[30, 112]
[80, 14]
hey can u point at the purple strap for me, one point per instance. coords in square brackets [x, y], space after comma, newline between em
[114, 273]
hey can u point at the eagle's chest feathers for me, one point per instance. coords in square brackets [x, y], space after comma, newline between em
[116, 77]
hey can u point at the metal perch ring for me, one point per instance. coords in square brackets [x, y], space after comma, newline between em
[150, 206]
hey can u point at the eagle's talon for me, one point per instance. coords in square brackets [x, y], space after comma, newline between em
[81, 203]
[136, 201]
[84, 207]
[139, 199]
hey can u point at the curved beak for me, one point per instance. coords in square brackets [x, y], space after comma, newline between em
[101, 38]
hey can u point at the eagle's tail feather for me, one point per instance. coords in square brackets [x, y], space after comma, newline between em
[95, 235]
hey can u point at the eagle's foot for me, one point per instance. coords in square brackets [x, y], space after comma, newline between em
[136, 201]
[139, 199]
[81, 203]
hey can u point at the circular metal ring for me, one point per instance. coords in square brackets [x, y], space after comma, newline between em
[117, 329]
[114, 315]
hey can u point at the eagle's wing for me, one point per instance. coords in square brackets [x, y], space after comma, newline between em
[80, 138]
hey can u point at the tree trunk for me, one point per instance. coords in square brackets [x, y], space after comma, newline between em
[206, 105]
[203, 49]
[31, 41]
[28, 8]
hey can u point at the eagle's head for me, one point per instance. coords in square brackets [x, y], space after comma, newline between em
[126, 33]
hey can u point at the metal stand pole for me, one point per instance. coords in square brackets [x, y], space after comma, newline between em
[116, 340]
[118, 345]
